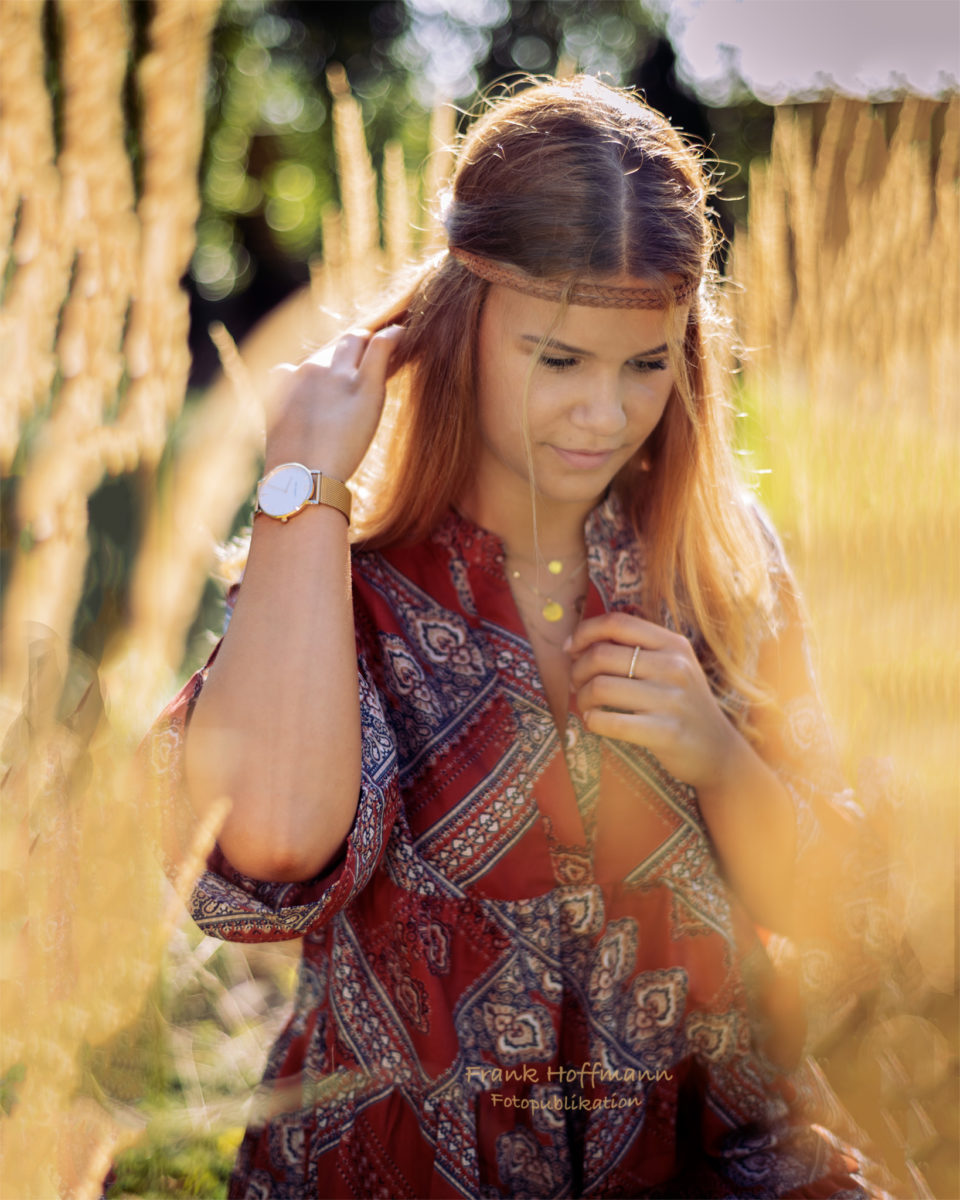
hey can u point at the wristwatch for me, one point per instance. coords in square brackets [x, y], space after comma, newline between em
[290, 487]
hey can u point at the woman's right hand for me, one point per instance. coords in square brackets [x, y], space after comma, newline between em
[328, 408]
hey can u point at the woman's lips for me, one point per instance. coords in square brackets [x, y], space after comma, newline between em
[584, 459]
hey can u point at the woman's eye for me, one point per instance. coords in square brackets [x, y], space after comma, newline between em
[557, 364]
[649, 364]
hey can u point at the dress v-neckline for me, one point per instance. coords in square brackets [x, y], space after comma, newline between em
[555, 792]
[485, 555]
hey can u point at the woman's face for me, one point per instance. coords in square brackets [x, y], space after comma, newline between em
[595, 394]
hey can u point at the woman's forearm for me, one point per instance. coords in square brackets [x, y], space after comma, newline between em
[276, 728]
[752, 822]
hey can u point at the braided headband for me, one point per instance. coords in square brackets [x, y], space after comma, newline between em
[591, 295]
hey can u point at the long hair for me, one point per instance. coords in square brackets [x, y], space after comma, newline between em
[565, 180]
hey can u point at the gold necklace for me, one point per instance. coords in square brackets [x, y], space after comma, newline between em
[551, 609]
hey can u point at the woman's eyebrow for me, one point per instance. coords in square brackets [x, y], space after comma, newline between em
[552, 344]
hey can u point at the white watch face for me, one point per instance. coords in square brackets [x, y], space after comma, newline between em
[285, 490]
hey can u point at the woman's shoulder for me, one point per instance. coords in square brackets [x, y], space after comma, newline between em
[387, 566]
[784, 598]
[427, 580]
[771, 539]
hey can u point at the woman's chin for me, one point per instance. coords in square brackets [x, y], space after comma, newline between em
[583, 493]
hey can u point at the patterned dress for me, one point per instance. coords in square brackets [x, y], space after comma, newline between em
[526, 976]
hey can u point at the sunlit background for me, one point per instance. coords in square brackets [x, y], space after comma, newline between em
[192, 191]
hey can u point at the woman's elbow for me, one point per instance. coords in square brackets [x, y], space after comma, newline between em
[274, 864]
[277, 828]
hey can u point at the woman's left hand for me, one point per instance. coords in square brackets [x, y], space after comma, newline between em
[667, 707]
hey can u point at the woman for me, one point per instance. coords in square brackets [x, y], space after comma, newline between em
[530, 852]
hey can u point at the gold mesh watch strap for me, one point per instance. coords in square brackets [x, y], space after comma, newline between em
[333, 492]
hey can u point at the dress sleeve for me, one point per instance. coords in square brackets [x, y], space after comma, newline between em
[842, 937]
[228, 904]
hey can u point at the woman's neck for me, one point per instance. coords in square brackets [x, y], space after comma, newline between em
[557, 532]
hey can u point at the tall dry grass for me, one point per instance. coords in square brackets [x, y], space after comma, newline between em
[93, 330]
[853, 318]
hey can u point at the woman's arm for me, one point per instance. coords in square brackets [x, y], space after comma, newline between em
[752, 822]
[277, 725]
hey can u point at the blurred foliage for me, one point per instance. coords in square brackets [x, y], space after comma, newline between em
[454, 49]
[191, 1166]
[268, 160]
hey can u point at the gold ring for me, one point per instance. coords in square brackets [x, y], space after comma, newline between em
[633, 661]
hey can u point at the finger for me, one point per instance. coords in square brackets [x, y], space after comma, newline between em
[626, 695]
[620, 627]
[349, 350]
[379, 349]
[343, 354]
[641, 729]
[611, 658]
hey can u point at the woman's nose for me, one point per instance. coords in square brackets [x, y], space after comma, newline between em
[600, 409]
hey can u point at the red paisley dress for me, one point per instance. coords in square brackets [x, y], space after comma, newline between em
[526, 976]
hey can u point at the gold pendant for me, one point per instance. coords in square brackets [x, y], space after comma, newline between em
[554, 566]
[552, 611]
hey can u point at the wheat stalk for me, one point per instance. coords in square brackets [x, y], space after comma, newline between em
[29, 201]
[362, 258]
[436, 174]
[396, 208]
